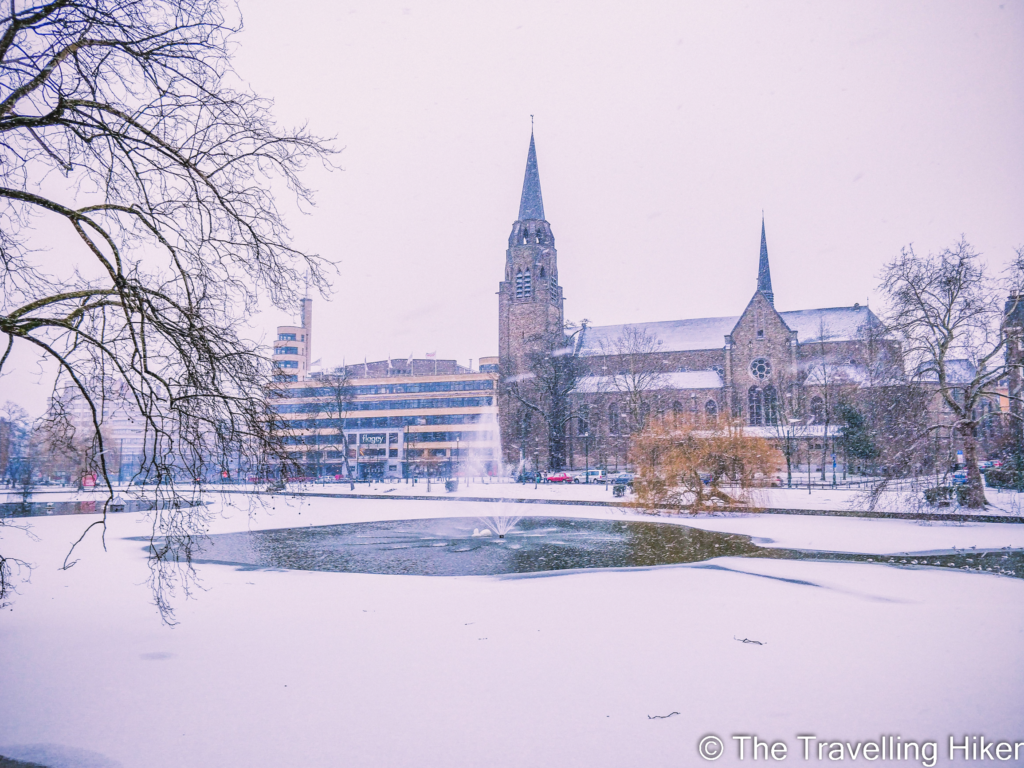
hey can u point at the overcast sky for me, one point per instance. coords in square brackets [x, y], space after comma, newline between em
[663, 129]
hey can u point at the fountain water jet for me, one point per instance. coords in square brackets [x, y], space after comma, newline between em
[501, 524]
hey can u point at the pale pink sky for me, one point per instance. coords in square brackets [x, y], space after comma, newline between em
[663, 129]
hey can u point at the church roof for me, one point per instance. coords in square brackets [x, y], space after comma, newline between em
[675, 335]
[672, 380]
[830, 324]
[839, 324]
[531, 206]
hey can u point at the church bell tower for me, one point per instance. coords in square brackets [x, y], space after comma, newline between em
[530, 303]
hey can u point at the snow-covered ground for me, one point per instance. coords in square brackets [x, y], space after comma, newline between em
[1008, 503]
[294, 668]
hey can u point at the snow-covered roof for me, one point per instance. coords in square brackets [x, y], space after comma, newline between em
[673, 380]
[836, 374]
[838, 324]
[832, 323]
[674, 335]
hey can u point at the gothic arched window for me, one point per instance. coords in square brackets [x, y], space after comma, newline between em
[755, 406]
[613, 419]
[771, 406]
[526, 235]
[542, 273]
[519, 284]
[677, 411]
[817, 409]
[527, 285]
[711, 410]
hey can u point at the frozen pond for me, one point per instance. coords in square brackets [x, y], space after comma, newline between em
[467, 547]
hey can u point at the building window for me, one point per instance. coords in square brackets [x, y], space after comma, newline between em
[527, 285]
[817, 409]
[286, 337]
[613, 419]
[711, 410]
[287, 363]
[519, 284]
[553, 289]
[286, 350]
[760, 334]
[755, 406]
[677, 411]
[760, 369]
[771, 406]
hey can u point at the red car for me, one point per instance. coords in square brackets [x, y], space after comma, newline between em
[562, 477]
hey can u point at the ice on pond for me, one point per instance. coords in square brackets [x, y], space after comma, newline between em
[455, 547]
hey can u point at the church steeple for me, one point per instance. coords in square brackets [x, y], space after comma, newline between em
[531, 206]
[764, 274]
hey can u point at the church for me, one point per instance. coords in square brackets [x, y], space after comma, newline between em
[570, 392]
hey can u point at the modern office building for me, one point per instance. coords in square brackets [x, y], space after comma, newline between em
[394, 424]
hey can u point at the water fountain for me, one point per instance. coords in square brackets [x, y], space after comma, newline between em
[500, 524]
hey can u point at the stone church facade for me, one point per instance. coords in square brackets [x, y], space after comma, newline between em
[763, 366]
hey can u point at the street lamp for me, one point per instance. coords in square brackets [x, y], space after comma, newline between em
[586, 449]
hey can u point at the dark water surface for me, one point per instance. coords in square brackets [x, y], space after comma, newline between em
[447, 547]
[43, 508]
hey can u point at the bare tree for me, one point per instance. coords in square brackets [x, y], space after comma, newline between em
[338, 387]
[14, 440]
[825, 379]
[541, 385]
[635, 369]
[949, 314]
[124, 128]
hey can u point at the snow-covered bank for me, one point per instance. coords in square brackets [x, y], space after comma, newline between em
[274, 668]
[840, 500]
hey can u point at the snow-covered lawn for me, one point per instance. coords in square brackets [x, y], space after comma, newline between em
[831, 499]
[294, 668]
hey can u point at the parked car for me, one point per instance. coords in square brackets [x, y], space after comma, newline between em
[529, 476]
[623, 478]
[960, 477]
[562, 477]
[594, 476]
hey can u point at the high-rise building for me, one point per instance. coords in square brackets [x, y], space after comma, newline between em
[293, 346]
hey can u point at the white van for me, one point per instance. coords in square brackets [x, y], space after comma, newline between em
[594, 476]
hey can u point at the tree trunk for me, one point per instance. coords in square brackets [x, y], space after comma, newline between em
[975, 490]
[824, 449]
[556, 446]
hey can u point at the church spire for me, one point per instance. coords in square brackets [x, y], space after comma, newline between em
[764, 274]
[531, 206]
